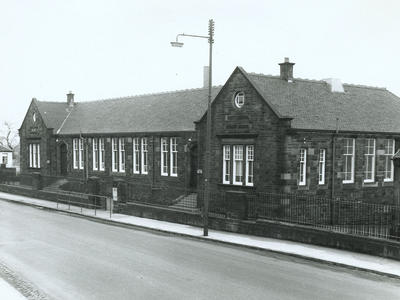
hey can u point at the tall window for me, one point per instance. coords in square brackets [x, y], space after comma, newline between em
[241, 159]
[34, 155]
[369, 160]
[95, 154]
[174, 157]
[77, 155]
[114, 158]
[303, 167]
[249, 165]
[136, 156]
[102, 157]
[98, 154]
[164, 157]
[121, 155]
[348, 157]
[389, 152]
[81, 156]
[238, 164]
[145, 165]
[226, 168]
[321, 166]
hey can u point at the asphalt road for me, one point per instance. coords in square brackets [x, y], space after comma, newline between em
[72, 258]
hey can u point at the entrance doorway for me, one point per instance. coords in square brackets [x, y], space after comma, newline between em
[63, 159]
[193, 167]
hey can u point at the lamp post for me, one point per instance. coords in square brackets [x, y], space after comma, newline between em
[210, 38]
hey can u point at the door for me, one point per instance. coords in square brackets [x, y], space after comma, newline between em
[193, 167]
[63, 159]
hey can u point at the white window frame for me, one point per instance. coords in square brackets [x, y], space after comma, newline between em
[348, 155]
[121, 155]
[136, 156]
[321, 166]
[95, 151]
[237, 164]
[303, 167]
[369, 158]
[164, 156]
[173, 160]
[226, 164]
[34, 155]
[239, 99]
[145, 156]
[30, 156]
[249, 162]
[114, 154]
[75, 153]
[81, 154]
[102, 155]
[389, 152]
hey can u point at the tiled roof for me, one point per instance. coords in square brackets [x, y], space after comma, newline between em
[312, 105]
[163, 112]
[4, 149]
[53, 113]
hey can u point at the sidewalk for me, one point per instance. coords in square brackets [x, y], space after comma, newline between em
[8, 292]
[316, 253]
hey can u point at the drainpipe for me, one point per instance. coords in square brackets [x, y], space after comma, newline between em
[333, 166]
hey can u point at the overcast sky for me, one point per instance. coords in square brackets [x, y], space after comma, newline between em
[104, 49]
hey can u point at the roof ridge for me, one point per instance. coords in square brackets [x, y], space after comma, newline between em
[150, 94]
[320, 81]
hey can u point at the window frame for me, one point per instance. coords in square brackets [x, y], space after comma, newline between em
[164, 156]
[145, 156]
[237, 164]
[173, 160]
[302, 167]
[346, 155]
[239, 99]
[114, 155]
[226, 164]
[389, 160]
[367, 157]
[95, 154]
[321, 166]
[34, 155]
[102, 155]
[249, 162]
[136, 155]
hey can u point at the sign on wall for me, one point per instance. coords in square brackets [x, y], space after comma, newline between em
[115, 193]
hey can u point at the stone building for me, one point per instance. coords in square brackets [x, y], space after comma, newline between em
[269, 134]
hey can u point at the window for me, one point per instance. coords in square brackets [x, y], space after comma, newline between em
[242, 163]
[98, 154]
[121, 155]
[136, 156]
[164, 157]
[348, 156]
[321, 166]
[102, 155]
[389, 152]
[34, 155]
[226, 168]
[81, 162]
[369, 160]
[34, 117]
[95, 155]
[4, 160]
[114, 158]
[239, 99]
[249, 164]
[145, 168]
[303, 167]
[238, 164]
[77, 154]
[174, 157]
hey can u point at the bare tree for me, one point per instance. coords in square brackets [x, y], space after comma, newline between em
[8, 135]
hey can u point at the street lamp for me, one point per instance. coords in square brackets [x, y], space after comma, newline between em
[210, 38]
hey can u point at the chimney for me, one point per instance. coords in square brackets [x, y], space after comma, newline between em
[287, 70]
[70, 99]
[206, 74]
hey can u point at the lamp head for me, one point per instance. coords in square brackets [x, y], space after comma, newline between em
[176, 44]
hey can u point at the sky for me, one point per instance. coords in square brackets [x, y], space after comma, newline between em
[106, 49]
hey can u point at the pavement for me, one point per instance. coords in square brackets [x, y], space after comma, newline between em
[369, 263]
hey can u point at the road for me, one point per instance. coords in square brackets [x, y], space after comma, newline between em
[73, 258]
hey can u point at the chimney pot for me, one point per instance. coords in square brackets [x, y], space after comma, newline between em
[287, 70]
[70, 99]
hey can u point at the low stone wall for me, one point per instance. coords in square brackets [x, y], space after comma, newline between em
[51, 196]
[273, 229]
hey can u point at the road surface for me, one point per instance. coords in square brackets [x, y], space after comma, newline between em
[73, 258]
